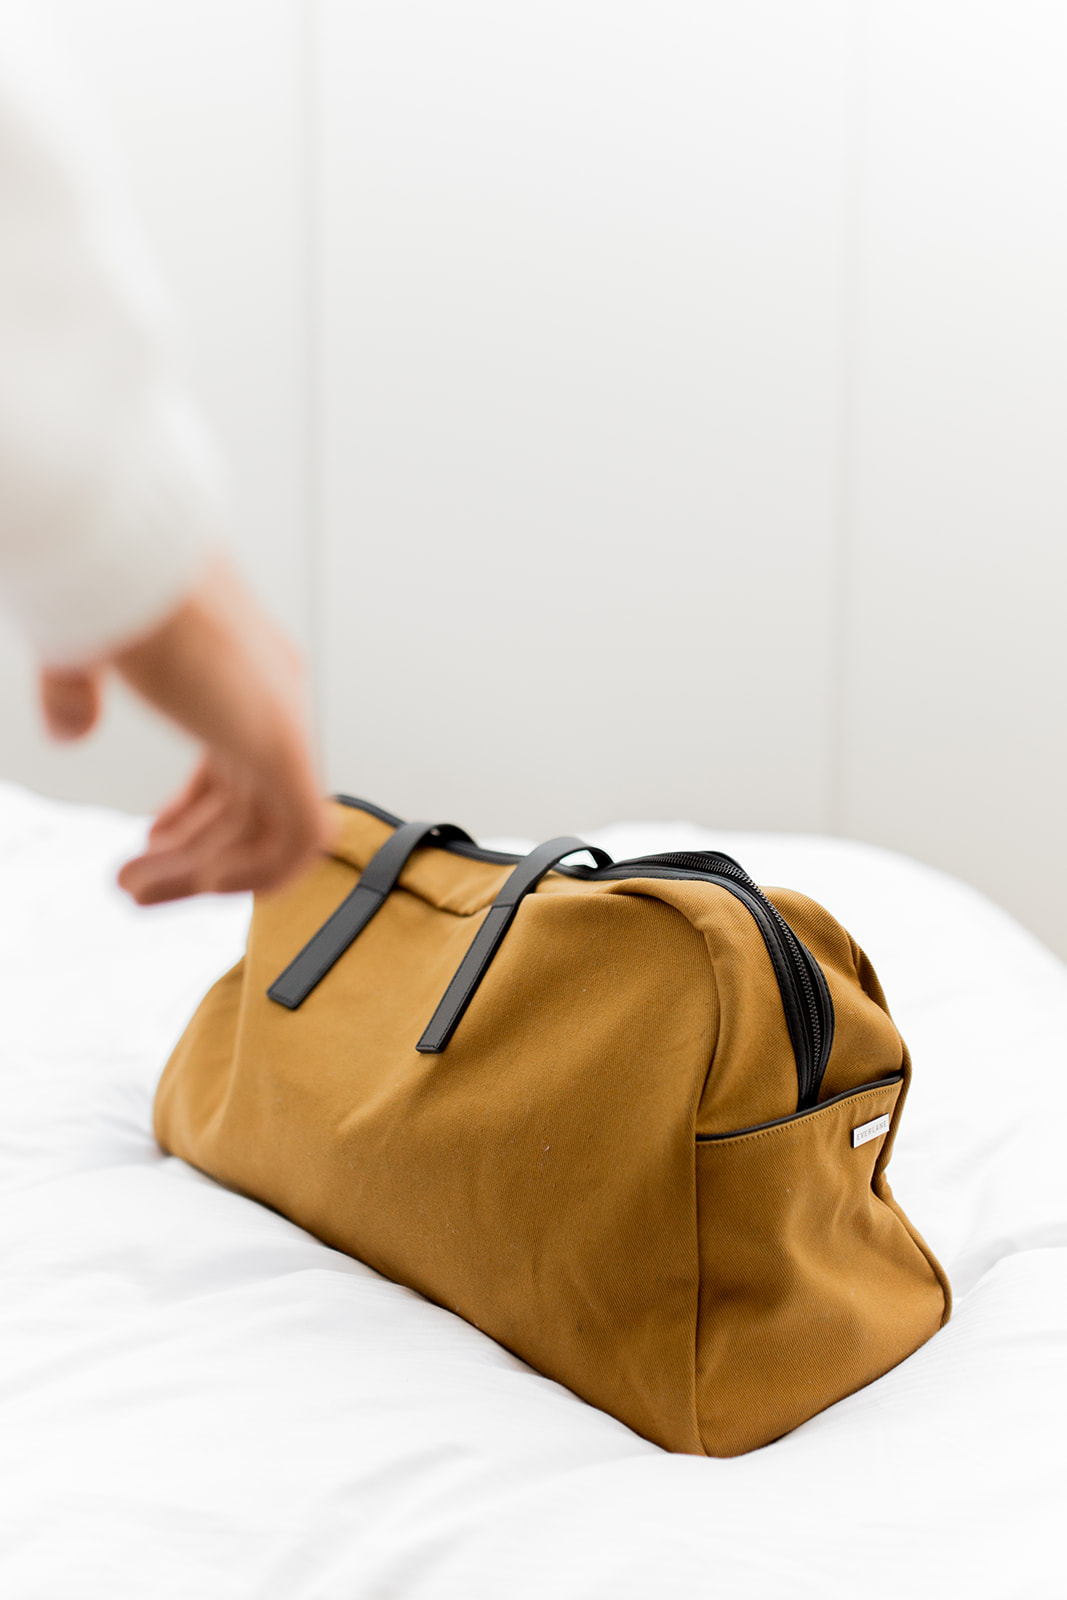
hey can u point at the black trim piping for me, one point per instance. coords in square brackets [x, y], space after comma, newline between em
[809, 1111]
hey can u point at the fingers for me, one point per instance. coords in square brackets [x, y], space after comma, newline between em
[227, 840]
[213, 865]
[267, 857]
[194, 834]
[250, 816]
[152, 881]
[70, 700]
[174, 813]
[184, 859]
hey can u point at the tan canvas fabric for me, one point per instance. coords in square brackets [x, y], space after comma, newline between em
[559, 1175]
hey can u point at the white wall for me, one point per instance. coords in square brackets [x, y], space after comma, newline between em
[955, 713]
[638, 409]
[581, 391]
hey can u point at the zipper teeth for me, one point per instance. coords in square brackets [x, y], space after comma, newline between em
[804, 976]
[704, 862]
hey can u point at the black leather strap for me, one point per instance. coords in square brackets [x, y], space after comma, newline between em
[486, 942]
[379, 878]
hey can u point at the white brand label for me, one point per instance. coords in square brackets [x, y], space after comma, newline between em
[870, 1130]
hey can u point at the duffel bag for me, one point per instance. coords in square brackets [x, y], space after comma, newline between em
[630, 1119]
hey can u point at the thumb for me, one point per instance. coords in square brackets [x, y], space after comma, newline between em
[70, 700]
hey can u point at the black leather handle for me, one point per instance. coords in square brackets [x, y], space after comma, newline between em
[377, 881]
[486, 942]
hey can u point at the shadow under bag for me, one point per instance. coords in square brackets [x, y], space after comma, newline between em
[632, 1121]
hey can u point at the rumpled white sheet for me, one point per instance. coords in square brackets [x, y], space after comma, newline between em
[199, 1400]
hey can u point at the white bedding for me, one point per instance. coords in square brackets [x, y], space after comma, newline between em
[200, 1401]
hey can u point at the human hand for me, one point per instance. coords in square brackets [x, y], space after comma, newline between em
[250, 816]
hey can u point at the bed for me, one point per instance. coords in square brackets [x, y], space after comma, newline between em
[199, 1399]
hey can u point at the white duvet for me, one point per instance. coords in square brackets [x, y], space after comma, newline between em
[201, 1401]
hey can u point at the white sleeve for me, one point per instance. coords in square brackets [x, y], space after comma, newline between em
[110, 494]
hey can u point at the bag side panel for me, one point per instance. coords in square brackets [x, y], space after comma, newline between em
[812, 1285]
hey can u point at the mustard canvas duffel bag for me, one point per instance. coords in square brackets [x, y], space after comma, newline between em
[631, 1120]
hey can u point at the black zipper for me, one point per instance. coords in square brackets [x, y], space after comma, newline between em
[809, 1010]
